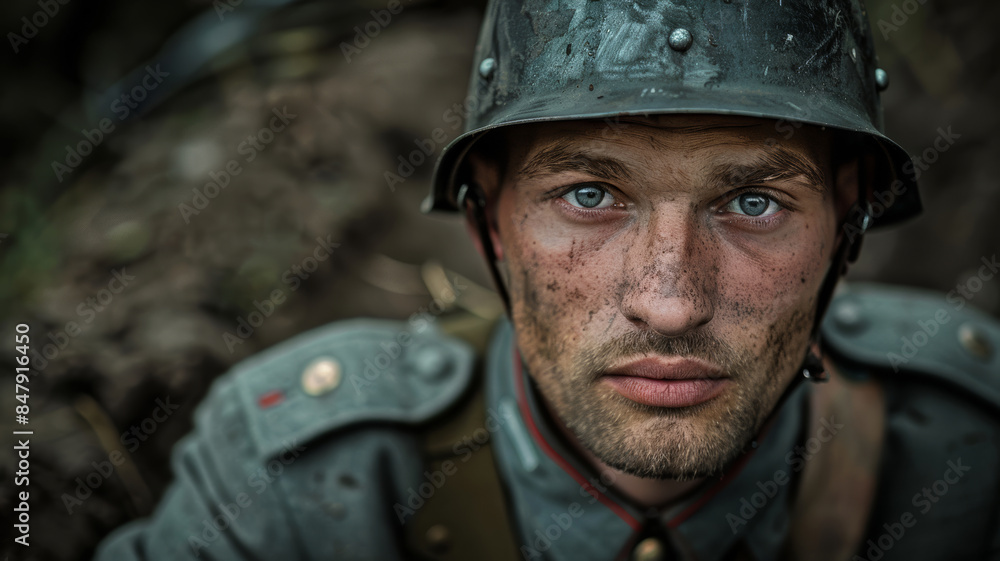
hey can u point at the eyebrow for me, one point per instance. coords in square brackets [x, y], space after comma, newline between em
[563, 157]
[777, 164]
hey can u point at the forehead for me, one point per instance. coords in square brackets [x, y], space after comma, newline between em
[674, 133]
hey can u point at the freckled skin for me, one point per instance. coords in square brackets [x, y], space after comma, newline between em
[667, 270]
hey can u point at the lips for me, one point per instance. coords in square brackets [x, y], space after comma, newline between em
[668, 381]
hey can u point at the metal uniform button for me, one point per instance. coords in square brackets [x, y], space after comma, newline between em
[849, 318]
[321, 376]
[430, 361]
[975, 341]
[438, 538]
[487, 67]
[649, 549]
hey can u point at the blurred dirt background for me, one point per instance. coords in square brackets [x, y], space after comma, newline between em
[197, 275]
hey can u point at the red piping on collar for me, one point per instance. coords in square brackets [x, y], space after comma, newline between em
[714, 489]
[529, 421]
[711, 492]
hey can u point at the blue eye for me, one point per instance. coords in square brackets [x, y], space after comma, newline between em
[753, 204]
[589, 197]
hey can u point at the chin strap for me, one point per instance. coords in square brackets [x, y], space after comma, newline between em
[472, 198]
[854, 226]
[847, 252]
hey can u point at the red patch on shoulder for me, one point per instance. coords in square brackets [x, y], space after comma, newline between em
[270, 399]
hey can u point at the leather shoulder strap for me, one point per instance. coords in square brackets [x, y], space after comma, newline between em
[466, 515]
[835, 497]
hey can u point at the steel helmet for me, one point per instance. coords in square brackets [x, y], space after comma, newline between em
[797, 63]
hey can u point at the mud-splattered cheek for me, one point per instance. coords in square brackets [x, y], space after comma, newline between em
[559, 282]
[768, 295]
[761, 280]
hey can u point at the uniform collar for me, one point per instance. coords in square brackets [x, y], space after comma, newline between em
[563, 509]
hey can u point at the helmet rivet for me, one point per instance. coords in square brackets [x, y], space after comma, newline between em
[680, 39]
[881, 79]
[975, 341]
[487, 67]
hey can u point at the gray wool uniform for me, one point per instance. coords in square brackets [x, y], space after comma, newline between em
[315, 450]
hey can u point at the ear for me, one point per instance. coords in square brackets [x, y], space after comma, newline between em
[485, 173]
[853, 178]
[845, 193]
[473, 229]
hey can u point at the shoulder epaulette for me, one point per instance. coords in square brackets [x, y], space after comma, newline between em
[900, 333]
[347, 373]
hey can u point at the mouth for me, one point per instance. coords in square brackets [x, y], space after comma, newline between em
[668, 381]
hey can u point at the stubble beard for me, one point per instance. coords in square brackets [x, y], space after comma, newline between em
[658, 442]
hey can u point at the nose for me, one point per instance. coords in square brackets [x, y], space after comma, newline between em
[669, 281]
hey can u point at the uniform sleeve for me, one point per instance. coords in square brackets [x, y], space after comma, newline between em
[223, 505]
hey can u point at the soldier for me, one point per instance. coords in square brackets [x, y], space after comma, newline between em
[667, 194]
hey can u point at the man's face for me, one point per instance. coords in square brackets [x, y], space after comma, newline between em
[663, 276]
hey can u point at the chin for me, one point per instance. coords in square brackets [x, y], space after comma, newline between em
[670, 443]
